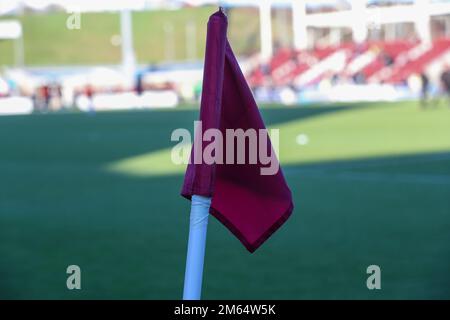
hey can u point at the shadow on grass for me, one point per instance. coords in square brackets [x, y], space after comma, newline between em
[109, 136]
[129, 236]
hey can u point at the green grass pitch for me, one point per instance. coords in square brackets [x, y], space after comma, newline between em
[371, 186]
[48, 42]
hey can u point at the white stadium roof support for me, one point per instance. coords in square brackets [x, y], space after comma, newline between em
[299, 25]
[419, 13]
[265, 20]
[423, 20]
[358, 18]
[128, 57]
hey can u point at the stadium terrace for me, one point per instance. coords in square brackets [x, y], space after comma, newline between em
[393, 51]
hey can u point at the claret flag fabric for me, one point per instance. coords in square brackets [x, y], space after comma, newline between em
[251, 205]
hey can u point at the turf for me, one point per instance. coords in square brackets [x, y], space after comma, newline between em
[47, 40]
[372, 186]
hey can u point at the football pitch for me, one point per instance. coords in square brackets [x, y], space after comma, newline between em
[370, 182]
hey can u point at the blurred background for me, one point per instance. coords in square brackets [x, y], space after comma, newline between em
[107, 55]
[359, 90]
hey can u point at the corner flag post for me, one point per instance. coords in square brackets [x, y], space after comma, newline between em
[250, 203]
[196, 244]
[196, 247]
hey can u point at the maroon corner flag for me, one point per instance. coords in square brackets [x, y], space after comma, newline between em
[251, 205]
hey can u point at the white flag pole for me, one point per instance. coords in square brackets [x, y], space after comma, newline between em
[196, 247]
[128, 56]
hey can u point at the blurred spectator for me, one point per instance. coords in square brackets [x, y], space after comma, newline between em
[387, 59]
[445, 80]
[139, 84]
[42, 97]
[55, 97]
[425, 88]
[359, 78]
[89, 92]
